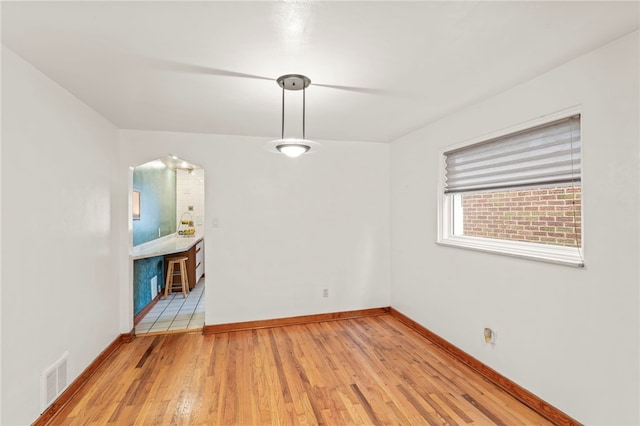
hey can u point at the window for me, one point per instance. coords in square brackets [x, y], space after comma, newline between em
[518, 194]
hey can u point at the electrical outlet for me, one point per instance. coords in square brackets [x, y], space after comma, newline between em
[489, 336]
[325, 292]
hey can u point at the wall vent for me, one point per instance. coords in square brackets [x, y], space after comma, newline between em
[53, 381]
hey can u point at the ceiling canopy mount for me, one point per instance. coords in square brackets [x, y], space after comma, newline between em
[294, 81]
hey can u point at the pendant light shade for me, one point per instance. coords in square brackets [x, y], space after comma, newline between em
[293, 147]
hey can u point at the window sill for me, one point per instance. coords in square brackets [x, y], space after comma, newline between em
[569, 256]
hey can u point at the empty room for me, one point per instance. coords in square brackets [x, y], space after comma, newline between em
[320, 212]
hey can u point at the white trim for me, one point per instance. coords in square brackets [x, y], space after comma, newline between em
[570, 256]
[445, 219]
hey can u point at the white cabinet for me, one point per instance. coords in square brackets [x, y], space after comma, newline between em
[199, 260]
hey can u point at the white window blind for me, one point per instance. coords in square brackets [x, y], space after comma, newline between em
[544, 155]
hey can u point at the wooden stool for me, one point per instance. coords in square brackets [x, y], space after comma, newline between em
[181, 261]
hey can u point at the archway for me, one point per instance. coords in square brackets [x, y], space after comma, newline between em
[167, 220]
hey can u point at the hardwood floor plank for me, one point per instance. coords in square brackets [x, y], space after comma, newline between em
[425, 411]
[497, 421]
[286, 393]
[372, 371]
[366, 405]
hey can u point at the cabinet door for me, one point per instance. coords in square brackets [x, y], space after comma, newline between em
[199, 271]
[199, 260]
[199, 253]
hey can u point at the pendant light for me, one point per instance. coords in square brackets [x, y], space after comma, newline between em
[293, 147]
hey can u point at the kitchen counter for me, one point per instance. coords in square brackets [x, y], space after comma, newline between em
[163, 246]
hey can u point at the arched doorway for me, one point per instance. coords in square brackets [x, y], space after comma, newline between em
[167, 220]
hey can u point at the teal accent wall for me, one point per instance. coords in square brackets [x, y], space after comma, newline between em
[143, 271]
[157, 188]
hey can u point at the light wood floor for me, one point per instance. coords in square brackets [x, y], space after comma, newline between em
[365, 371]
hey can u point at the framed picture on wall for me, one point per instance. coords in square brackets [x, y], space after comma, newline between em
[136, 205]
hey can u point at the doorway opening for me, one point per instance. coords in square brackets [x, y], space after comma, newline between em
[167, 217]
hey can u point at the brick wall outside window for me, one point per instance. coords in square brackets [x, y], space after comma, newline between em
[544, 215]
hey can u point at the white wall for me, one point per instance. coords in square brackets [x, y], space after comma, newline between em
[287, 228]
[569, 335]
[190, 192]
[0, 258]
[58, 276]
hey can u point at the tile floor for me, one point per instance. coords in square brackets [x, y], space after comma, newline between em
[175, 313]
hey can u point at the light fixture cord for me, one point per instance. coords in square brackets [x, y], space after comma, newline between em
[282, 137]
[304, 91]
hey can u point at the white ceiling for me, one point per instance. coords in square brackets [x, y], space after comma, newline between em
[206, 66]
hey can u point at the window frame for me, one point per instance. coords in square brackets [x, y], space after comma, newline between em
[571, 256]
